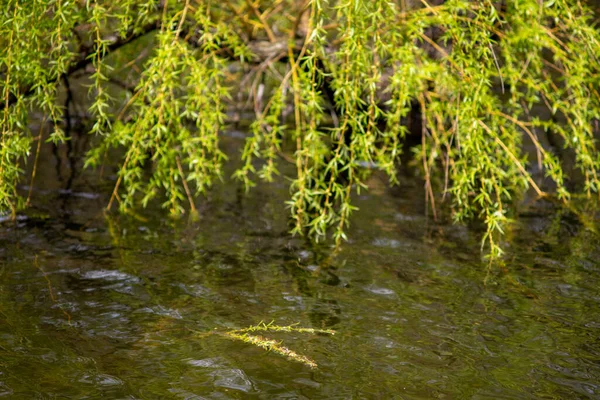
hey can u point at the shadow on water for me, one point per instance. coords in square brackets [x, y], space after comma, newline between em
[98, 306]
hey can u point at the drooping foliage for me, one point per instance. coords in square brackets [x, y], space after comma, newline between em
[338, 88]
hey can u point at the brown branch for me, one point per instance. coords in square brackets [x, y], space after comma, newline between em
[515, 160]
[264, 24]
[185, 186]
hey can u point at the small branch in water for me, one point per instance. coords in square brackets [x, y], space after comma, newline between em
[268, 344]
[271, 345]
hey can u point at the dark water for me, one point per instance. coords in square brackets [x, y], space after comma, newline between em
[109, 307]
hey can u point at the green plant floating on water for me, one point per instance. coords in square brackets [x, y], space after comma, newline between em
[245, 335]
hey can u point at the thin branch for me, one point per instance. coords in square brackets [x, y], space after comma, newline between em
[185, 186]
[515, 160]
[35, 162]
[264, 24]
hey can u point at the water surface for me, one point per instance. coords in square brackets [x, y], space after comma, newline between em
[95, 306]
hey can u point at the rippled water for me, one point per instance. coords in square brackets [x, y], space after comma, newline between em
[95, 306]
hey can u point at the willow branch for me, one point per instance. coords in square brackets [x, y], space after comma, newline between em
[83, 59]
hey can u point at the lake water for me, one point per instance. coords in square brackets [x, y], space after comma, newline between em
[95, 306]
